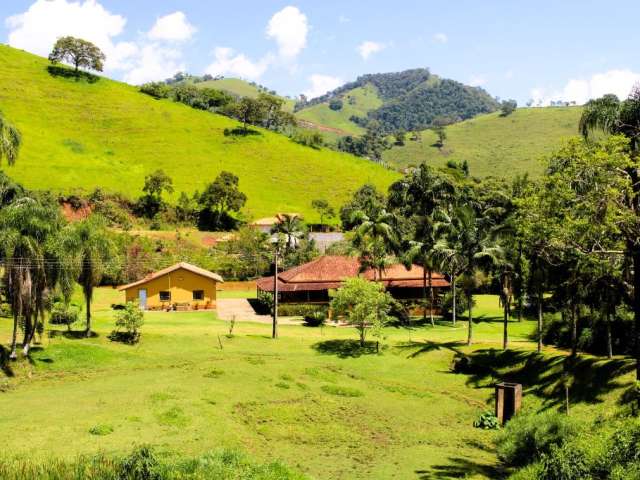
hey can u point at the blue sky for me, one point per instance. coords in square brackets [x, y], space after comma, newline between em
[547, 50]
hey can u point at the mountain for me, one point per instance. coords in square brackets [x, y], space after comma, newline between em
[492, 144]
[79, 135]
[408, 100]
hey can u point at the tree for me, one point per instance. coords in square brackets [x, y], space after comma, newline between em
[32, 266]
[377, 232]
[507, 107]
[400, 137]
[273, 117]
[90, 244]
[441, 133]
[10, 140]
[366, 199]
[77, 52]
[249, 111]
[155, 184]
[335, 104]
[321, 206]
[218, 199]
[291, 227]
[130, 319]
[364, 304]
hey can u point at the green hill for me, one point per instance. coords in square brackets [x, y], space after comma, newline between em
[407, 100]
[241, 88]
[494, 145]
[79, 136]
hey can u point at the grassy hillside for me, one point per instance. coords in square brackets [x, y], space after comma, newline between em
[79, 135]
[358, 101]
[494, 145]
[239, 87]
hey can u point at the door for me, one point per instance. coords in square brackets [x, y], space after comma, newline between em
[142, 298]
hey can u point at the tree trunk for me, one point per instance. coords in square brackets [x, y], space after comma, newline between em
[453, 284]
[609, 339]
[574, 330]
[87, 301]
[29, 331]
[636, 307]
[470, 327]
[539, 321]
[431, 299]
[14, 338]
[274, 327]
[424, 294]
[505, 336]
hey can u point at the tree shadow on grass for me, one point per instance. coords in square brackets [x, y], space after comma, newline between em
[461, 468]
[5, 363]
[415, 349]
[345, 348]
[240, 132]
[66, 72]
[72, 334]
[590, 378]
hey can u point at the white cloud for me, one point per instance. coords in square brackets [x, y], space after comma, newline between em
[37, 29]
[440, 38]
[154, 62]
[172, 27]
[477, 80]
[227, 62]
[321, 84]
[580, 90]
[368, 48]
[289, 29]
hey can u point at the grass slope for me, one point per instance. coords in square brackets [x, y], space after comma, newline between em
[79, 135]
[358, 102]
[241, 88]
[494, 145]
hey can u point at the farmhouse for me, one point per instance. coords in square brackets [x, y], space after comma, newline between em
[312, 282]
[180, 287]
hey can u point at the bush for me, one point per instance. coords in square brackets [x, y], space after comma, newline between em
[527, 437]
[566, 462]
[309, 138]
[5, 310]
[128, 323]
[63, 314]
[315, 319]
[156, 89]
[335, 104]
[462, 305]
[487, 421]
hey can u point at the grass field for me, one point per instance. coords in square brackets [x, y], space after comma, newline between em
[80, 135]
[312, 398]
[242, 88]
[358, 102]
[494, 145]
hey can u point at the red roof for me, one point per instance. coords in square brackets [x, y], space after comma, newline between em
[329, 272]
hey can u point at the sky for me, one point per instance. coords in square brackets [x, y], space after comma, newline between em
[535, 50]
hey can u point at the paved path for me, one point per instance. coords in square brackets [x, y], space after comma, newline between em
[241, 309]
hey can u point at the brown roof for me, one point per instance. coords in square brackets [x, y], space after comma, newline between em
[173, 268]
[269, 221]
[329, 272]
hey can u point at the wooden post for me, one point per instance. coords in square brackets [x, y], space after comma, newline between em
[274, 331]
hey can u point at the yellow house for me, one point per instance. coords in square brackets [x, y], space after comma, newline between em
[182, 287]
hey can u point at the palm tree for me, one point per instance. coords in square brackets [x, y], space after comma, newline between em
[90, 247]
[422, 253]
[28, 232]
[291, 226]
[10, 140]
[380, 230]
[473, 248]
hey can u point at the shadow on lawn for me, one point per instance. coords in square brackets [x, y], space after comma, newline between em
[72, 334]
[65, 72]
[460, 468]
[346, 348]
[416, 349]
[5, 365]
[544, 375]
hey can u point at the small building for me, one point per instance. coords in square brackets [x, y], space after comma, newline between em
[266, 225]
[180, 287]
[313, 281]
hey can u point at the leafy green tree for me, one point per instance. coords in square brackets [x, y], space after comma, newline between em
[187, 207]
[155, 184]
[91, 246]
[77, 52]
[366, 199]
[10, 140]
[249, 111]
[380, 230]
[400, 138]
[128, 323]
[363, 304]
[507, 107]
[218, 200]
[441, 133]
[273, 117]
[323, 208]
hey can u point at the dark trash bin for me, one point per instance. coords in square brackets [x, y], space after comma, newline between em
[508, 400]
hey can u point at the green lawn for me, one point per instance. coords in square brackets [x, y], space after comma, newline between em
[79, 135]
[495, 145]
[310, 398]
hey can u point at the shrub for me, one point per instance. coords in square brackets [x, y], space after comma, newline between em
[5, 309]
[101, 430]
[309, 138]
[527, 437]
[128, 323]
[156, 89]
[63, 314]
[315, 319]
[462, 305]
[565, 462]
[341, 391]
[487, 421]
[335, 104]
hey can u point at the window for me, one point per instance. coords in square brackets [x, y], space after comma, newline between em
[165, 296]
[198, 294]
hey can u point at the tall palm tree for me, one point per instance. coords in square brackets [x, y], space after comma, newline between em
[422, 253]
[10, 141]
[28, 230]
[291, 226]
[379, 230]
[612, 116]
[473, 247]
[90, 248]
